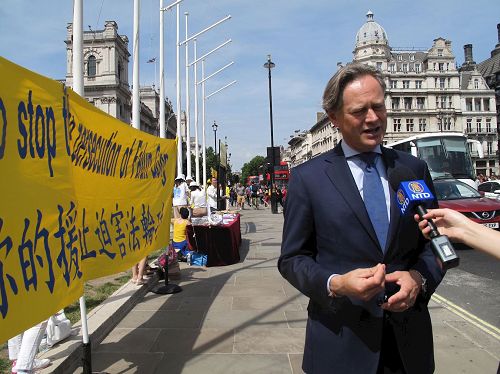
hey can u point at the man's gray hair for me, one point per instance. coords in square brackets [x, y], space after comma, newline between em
[334, 90]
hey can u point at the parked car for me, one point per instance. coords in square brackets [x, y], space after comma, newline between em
[456, 195]
[490, 189]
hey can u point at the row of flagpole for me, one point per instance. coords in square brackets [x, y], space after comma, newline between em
[78, 87]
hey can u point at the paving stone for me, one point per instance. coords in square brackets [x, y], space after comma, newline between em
[243, 318]
[296, 319]
[280, 303]
[296, 363]
[130, 340]
[262, 340]
[162, 319]
[194, 341]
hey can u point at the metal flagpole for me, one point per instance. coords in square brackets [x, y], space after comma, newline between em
[136, 101]
[178, 86]
[188, 130]
[163, 126]
[196, 151]
[78, 87]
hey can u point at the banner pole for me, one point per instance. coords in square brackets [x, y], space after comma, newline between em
[78, 87]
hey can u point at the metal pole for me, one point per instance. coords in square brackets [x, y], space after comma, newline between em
[178, 86]
[188, 130]
[163, 132]
[203, 126]
[78, 87]
[136, 101]
[196, 151]
[205, 30]
[274, 207]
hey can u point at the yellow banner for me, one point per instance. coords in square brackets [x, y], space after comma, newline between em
[83, 195]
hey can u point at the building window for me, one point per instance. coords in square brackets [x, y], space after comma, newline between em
[478, 125]
[406, 84]
[417, 68]
[450, 102]
[476, 83]
[477, 105]
[442, 83]
[468, 127]
[412, 57]
[440, 52]
[392, 68]
[422, 124]
[379, 66]
[443, 102]
[420, 103]
[409, 124]
[441, 66]
[447, 124]
[395, 103]
[394, 84]
[489, 147]
[468, 105]
[408, 101]
[91, 66]
[397, 124]
[405, 68]
[488, 125]
[486, 105]
[418, 84]
[119, 71]
[400, 57]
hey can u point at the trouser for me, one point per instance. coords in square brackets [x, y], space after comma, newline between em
[24, 346]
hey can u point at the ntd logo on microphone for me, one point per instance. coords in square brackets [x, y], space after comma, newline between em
[410, 193]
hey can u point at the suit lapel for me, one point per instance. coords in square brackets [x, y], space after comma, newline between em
[340, 175]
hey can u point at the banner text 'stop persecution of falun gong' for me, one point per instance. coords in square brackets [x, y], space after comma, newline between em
[84, 195]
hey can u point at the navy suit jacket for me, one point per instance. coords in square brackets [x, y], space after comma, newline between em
[327, 231]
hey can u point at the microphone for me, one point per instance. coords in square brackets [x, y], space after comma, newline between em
[411, 195]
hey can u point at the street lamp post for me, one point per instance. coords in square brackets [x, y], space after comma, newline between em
[274, 206]
[214, 127]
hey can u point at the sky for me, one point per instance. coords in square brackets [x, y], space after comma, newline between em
[306, 39]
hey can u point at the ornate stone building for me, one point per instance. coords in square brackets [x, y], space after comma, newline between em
[425, 93]
[106, 61]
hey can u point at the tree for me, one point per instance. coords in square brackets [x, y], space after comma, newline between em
[252, 167]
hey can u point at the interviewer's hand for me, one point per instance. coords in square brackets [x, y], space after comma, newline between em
[410, 283]
[449, 222]
[360, 283]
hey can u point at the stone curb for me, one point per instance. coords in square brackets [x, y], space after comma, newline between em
[66, 357]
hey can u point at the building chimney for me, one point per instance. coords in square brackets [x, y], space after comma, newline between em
[468, 54]
[498, 32]
[339, 65]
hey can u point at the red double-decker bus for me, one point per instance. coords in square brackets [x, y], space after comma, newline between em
[281, 175]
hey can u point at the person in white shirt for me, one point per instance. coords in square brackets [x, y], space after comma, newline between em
[198, 200]
[212, 195]
[180, 198]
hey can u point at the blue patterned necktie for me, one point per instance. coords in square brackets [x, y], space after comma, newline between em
[374, 197]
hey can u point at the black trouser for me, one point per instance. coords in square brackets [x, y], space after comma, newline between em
[390, 360]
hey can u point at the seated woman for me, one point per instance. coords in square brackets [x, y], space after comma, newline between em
[179, 241]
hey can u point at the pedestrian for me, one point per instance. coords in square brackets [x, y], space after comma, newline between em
[345, 245]
[240, 196]
[180, 195]
[212, 195]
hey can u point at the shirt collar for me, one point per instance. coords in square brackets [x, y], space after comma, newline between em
[350, 152]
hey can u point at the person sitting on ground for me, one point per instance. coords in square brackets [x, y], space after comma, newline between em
[180, 242]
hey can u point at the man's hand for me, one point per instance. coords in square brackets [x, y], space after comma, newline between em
[360, 283]
[410, 283]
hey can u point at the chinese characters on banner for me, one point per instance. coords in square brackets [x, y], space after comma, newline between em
[84, 195]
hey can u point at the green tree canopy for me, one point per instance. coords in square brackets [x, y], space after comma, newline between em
[252, 167]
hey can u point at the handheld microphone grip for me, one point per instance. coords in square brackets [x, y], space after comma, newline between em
[421, 211]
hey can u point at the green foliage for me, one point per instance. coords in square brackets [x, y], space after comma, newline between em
[252, 167]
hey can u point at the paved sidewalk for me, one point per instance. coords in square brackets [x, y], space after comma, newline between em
[245, 318]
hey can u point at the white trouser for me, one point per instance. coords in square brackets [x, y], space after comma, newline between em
[24, 347]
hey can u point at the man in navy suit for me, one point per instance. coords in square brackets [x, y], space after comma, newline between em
[345, 260]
